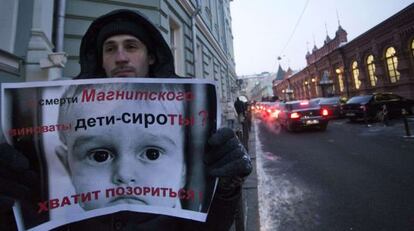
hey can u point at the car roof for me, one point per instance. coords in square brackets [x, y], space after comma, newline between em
[297, 101]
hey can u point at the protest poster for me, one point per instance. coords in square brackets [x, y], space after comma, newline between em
[101, 146]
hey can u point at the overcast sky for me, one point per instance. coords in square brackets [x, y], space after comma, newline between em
[262, 28]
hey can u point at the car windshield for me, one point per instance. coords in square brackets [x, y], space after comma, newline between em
[303, 105]
[332, 100]
[360, 99]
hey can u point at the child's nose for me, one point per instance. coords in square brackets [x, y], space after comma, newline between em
[125, 173]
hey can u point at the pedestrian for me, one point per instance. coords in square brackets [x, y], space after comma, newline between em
[123, 43]
[240, 109]
[230, 115]
[249, 115]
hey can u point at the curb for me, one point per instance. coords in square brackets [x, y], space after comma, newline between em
[249, 193]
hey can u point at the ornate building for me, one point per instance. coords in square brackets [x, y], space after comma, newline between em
[379, 60]
[39, 39]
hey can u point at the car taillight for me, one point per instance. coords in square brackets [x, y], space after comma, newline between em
[325, 112]
[275, 114]
[295, 115]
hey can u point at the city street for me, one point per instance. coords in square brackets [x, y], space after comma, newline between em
[351, 177]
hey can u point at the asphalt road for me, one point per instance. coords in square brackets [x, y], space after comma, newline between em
[351, 177]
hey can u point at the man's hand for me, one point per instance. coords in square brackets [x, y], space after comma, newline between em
[15, 181]
[227, 159]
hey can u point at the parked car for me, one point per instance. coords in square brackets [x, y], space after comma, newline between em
[370, 107]
[302, 114]
[334, 105]
[315, 100]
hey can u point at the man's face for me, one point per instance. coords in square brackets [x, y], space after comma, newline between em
[125, 56]
[125, 155]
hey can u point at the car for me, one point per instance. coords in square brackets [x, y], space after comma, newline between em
[315, 100]
[334, 105]
[370, 107]
[271, 111]
[268, 110]
[302, 114]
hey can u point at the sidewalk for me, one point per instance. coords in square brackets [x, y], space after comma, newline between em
[395, 127]
[250, 202]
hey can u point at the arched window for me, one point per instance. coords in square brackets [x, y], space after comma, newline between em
[371, 70]
[355, 73]
[304, 91]
[392, 64]
[339, 72]
[412, 47]
[316, 86]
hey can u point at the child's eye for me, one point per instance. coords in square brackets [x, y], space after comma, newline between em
[151, 154]
[100, 155]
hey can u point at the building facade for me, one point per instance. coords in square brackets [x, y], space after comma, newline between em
[40, 39]
[379, 60]
[257, 86]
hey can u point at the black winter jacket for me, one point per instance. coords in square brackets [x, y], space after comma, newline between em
[222, 210]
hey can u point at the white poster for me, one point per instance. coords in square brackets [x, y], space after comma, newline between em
[101, 146]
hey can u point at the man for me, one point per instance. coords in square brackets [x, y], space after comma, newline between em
[123, 43]
[240, 109]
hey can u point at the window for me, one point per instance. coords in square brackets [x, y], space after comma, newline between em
[340, 74]
[210, 67]
[392, 64]
[371, 70]
[176, 45]
[10, 63]
[199, 62]
[316, 86]
[209, 14]
[8, 24]
[360, 99]
[304, 91]
[355, 73]
[412, 47]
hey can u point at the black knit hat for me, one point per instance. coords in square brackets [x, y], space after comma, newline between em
[129, 22]
[123, 27]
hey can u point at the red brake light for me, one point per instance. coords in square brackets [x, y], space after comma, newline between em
[325, 112]
[294, 115]
[275, 114]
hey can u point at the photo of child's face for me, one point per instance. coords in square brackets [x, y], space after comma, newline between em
[124, 154]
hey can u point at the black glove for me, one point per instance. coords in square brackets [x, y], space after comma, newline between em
[16, 181]
[227, 159]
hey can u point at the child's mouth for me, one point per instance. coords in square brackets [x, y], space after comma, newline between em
[128, 200]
